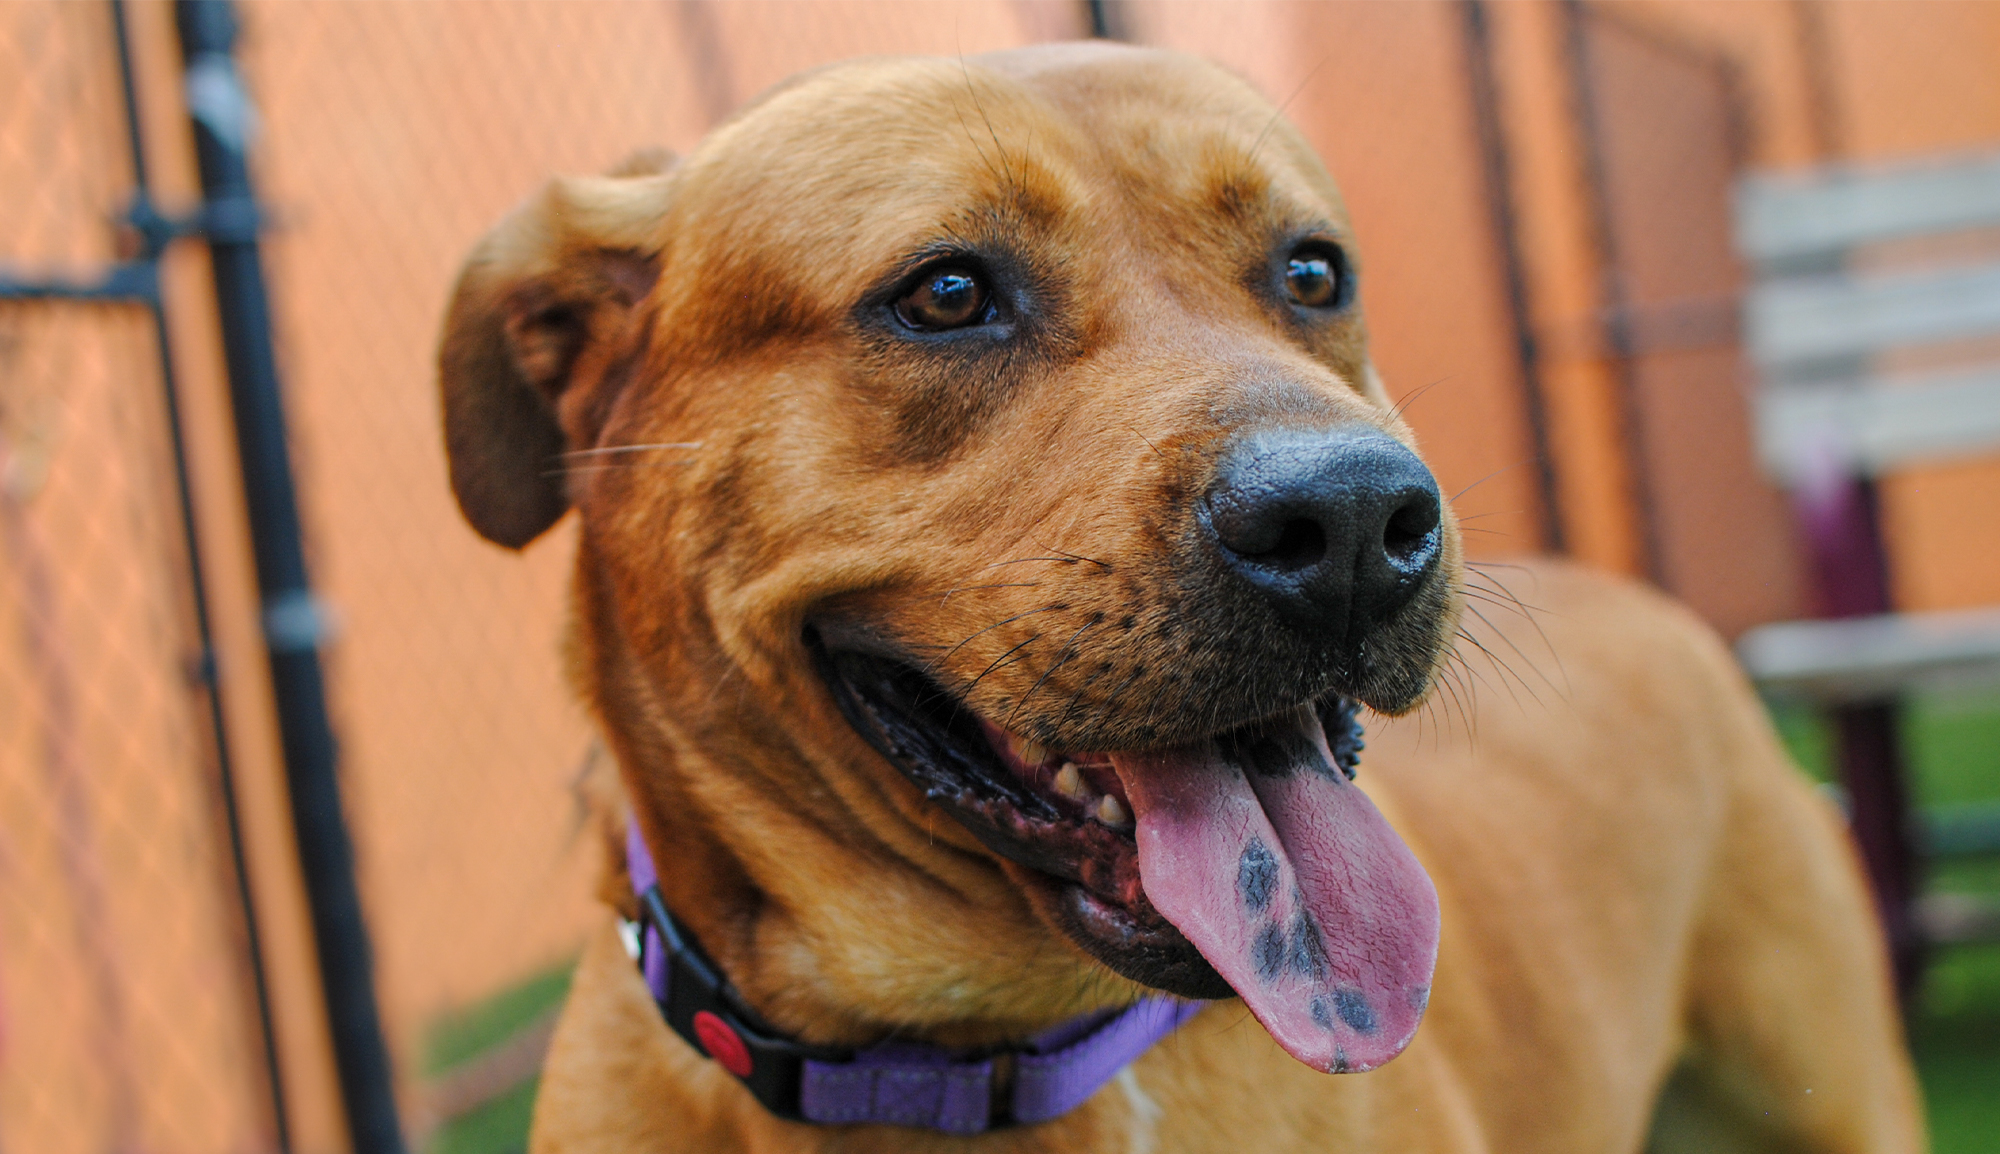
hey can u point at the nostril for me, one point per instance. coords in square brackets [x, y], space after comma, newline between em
[1301, 544]
[1410, 535]
[1337, 529]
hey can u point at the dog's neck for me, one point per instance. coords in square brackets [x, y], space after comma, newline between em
[901, 1083]
[853, 987]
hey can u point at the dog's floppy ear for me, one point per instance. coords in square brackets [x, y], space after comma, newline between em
[544, 305]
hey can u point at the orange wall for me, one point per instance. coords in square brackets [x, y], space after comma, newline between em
[1910, 79]
[1820, 80]
[1380, 90]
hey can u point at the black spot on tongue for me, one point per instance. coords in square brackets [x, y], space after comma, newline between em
[1257, 875]
[1306, 957]
[1269, 953]
[1353, 1008]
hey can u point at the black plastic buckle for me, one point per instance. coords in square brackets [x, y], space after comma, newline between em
[705, 1011]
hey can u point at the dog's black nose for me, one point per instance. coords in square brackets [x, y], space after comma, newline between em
[1338, 529]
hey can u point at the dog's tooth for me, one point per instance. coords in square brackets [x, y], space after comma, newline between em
[1070, 783]
[1030, 753]
[1112, 812]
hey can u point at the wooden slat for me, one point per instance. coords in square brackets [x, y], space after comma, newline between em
[1863, 658]
[1954, 918]
[1788, 217]
[1871, 427]
[1822, 318]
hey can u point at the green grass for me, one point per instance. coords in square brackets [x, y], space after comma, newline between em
[465, 1034]
[1954, 749]
[1955, 1033]
[1807, 738]
[1952, 742]
[1953, 746]
[499, 1126]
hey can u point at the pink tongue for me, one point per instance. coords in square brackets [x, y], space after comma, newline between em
[1290, 882]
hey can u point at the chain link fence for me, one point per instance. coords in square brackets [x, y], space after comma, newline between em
[125, 1018]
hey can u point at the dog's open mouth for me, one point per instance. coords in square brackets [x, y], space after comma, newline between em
[1244, 862]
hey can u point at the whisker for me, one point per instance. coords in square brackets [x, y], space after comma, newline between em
[1494, 585]
[1063, 656]
[1517, 652]
[578, 470]
[1528, 612]
[1149, 443]
[1025, 560]
[1122, 686]
[996, 585]
[1466, 666]
[1498, 665]
[1497, 602]
[998, 661]
[1468, 705]
[997, 624]
[1490, 476]
[1006, 178]
[1280, 113]
[1562, 690]
[1410, 398]
[1452, 686]
[610, 450]
[1078, 557]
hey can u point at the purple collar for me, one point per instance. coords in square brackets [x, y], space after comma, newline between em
[894, 1083]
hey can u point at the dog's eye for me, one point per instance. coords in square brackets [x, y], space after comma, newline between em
[945, 298]
[1316, 277]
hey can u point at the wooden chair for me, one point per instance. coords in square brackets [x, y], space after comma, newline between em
[1855, 270]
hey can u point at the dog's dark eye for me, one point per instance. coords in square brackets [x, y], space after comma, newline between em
[1316, 277]
[945, 298]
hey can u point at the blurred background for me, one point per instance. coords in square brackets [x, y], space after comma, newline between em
[1701, 291]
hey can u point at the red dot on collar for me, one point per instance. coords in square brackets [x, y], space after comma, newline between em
[722, 1043]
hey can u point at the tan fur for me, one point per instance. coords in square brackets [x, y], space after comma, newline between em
[1631, 876]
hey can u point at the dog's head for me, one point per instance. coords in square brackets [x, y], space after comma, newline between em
[989, 514]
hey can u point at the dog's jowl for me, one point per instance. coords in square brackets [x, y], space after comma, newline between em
[994, 540]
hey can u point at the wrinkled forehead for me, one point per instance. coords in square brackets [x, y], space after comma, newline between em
[884, 155]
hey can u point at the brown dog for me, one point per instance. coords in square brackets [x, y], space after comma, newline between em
[988, 510]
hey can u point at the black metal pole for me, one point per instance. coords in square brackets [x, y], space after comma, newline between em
[1612, 296]
[223, 119]
[1104, 20]
[205, 670]
[1499, 172]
